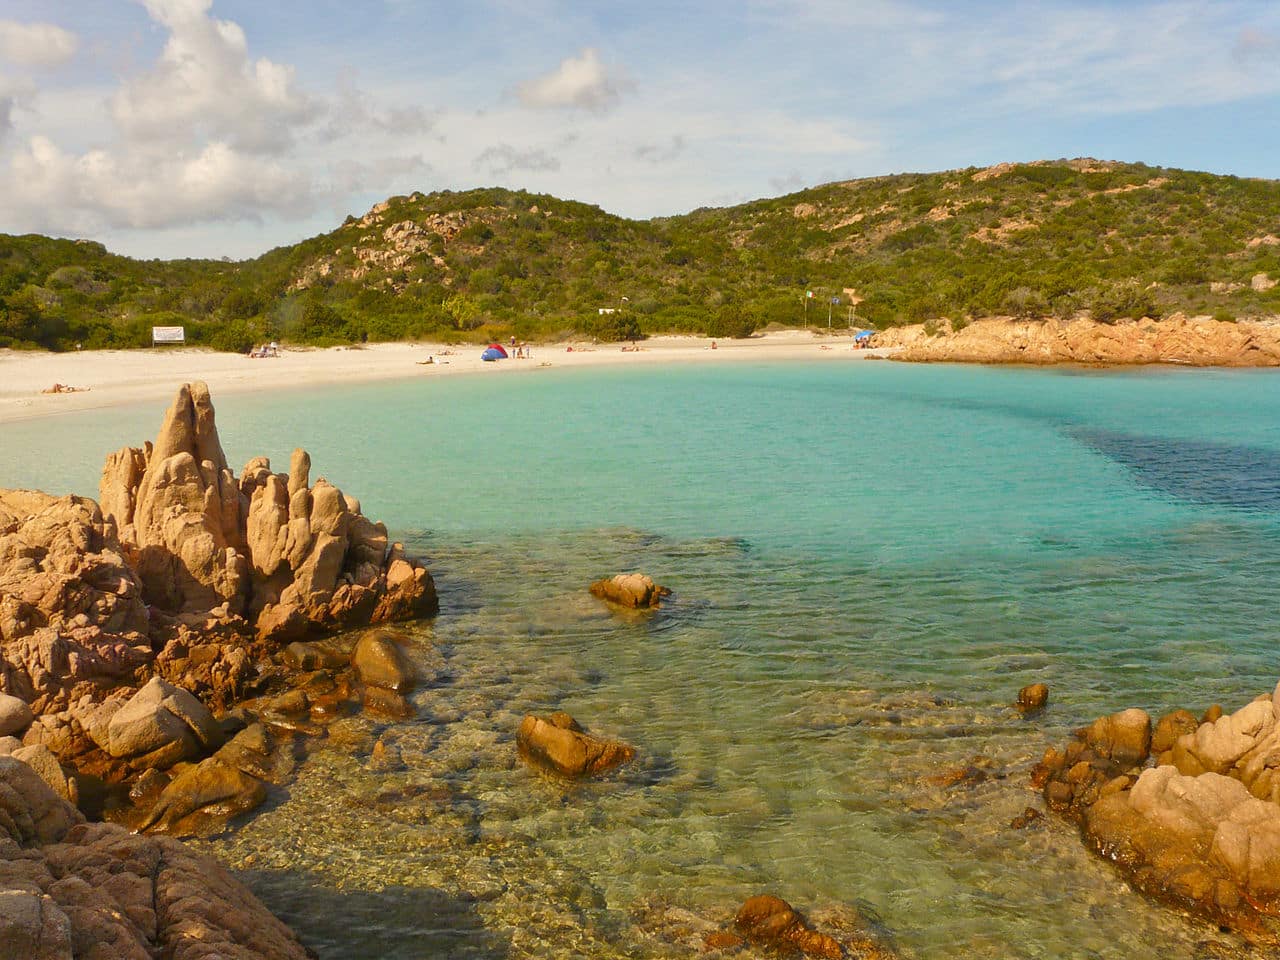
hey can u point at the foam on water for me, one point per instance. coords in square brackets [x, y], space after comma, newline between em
[868, 563]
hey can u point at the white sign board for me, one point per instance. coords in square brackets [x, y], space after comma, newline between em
[168, 335]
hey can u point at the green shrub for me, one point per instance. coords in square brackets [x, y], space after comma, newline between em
[731, 321]
[241, 304]
[1026, 304]
[613, 327]
[1125, 300]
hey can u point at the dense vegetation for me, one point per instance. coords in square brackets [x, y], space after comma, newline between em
[1028, 240]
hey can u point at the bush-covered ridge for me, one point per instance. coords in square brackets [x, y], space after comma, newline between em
[1026, 240]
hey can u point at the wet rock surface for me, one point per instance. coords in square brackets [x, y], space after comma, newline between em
[633, 590]
[560, 744]
[1032, 699]
[380, 662]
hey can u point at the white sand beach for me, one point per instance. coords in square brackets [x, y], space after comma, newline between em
[104, 378]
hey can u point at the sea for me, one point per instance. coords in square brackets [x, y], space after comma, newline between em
[867, 561]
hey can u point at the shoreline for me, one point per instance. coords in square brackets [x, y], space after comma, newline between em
[110, 378]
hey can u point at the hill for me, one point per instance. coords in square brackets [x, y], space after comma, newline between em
[1049, 238]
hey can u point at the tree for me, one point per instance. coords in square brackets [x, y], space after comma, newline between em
[463, 312]
[241, 304]
[20, 316]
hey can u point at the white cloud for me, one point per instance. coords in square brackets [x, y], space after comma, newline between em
[1255, 45]
[663, 152]
[357, 176]
[504, 158]
[354, 111]
[206, 134]
[1056, 56]
[129, 190]
[583, 81]
[205, 83]
[36, 44]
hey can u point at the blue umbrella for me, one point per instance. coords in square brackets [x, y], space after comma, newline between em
[863, 335]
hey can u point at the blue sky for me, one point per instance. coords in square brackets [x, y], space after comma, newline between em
[171, 128]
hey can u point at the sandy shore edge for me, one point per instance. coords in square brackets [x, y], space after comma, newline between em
[107, 378]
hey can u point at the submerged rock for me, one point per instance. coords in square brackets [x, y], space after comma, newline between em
[634, 590]
[203, 799]
[771, 921]
[559, 743]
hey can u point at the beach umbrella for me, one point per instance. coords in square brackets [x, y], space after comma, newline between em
[863, 335]
[502, 351]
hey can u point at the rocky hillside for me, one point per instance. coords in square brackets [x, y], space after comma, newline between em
[1055, 238]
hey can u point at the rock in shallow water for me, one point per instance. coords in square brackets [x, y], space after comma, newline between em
[1032, 699]
[1201, 828]
[770, 921]
[634, 590]
[380, 662]
[559, 743]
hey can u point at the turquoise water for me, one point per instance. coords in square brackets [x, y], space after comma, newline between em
[868, 562]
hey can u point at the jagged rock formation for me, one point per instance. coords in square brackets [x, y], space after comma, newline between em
[1200, 828]
[73, 889]
[269, 547]
[1200, 341]
[72, 616]
[184, 573]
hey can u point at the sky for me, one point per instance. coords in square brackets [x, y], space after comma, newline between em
[223, 128]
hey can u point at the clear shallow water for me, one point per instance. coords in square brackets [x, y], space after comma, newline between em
[868, 561]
